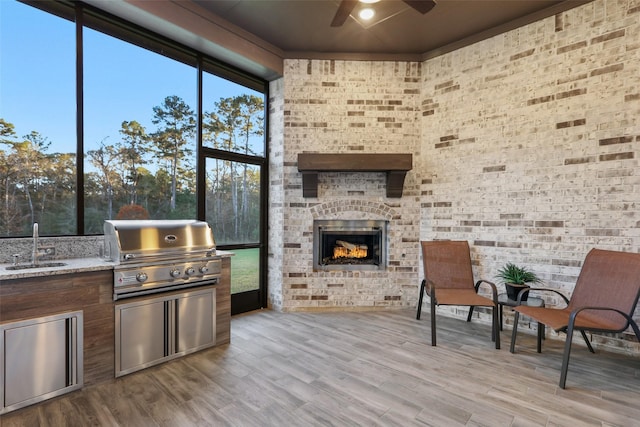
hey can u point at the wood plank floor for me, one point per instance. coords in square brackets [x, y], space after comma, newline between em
[359, 369]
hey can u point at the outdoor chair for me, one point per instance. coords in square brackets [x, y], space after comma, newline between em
[603, 300]
[449, 281]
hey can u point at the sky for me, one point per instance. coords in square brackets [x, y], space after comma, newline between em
[121, 81]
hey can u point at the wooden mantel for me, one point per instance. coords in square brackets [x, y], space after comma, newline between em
[394, 165]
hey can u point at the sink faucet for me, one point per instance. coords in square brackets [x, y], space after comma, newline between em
[35, 244]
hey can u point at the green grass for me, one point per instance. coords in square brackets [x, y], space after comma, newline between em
[245, 268]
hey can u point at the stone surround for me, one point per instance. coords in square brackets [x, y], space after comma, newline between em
[526, 145]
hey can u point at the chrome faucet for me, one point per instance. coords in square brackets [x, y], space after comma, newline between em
[34, 261]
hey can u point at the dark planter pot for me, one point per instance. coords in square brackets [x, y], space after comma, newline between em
[513, 290]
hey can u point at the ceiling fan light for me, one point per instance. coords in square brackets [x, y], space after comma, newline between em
[366, 13]
[369, 1]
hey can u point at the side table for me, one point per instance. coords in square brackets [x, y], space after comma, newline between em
[503, 300]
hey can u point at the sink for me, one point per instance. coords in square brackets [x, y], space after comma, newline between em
[39, 265]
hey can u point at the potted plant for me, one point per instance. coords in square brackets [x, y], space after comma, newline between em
[515, 279]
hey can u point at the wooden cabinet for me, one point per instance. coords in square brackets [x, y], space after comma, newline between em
[89, 292]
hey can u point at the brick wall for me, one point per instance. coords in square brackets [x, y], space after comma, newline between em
[531, 143]
[343, 107]
[275, 262]
[526, 145]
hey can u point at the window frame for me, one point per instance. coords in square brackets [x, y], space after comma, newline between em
[84, 15]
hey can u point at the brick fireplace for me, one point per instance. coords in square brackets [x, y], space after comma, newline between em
[351, 245]
[326, 109]
[365, 286]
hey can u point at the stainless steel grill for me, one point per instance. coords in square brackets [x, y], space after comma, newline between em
[156, 256]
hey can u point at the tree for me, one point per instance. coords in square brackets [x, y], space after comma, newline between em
[250, 120]
[9, 167]
[47, 182]
[135, 142]
[177, 127]
[104, 159]
[31, 160]
[233, 125]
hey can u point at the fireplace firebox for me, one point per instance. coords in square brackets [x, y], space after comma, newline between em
[349, 245]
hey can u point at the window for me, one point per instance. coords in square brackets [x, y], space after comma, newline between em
[232, 121]
[102, 119]
[37, 122]
[127, 144]
[139, 133]
[233, 146]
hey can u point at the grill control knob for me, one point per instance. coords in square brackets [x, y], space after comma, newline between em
[190, 271]
[204, 269]
[141, 277]
[174, 273]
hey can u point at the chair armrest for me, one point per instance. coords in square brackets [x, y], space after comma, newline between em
[574, 314]
[566, 300]
[494, 289]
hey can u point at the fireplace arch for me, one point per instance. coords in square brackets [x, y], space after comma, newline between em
[364, 209]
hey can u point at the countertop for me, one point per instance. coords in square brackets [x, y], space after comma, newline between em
[74, 265]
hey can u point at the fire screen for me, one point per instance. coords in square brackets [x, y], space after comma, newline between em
[349, 245]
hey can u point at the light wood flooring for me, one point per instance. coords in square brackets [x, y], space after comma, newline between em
[359, 369]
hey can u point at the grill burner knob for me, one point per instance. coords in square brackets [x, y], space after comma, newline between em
[204, 269]
[141, 277]
[190, 271]
[174, 273]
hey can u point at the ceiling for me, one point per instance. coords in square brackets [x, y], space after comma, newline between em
[302, 28]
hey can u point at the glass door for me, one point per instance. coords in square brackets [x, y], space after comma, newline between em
[234, 210]
[234, 164]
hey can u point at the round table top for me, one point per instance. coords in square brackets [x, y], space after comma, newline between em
[531, 301]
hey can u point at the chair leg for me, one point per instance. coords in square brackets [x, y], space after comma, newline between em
[470, 313]
[565, 357]
[422, 286]
[584, 336]
[495, 327]
[516, 317]
[635, 328]
[500, 310]
[433, 321]
[540, 337]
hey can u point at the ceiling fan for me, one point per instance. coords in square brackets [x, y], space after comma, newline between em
[346, 7]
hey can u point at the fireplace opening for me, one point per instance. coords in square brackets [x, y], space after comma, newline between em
[349, 245]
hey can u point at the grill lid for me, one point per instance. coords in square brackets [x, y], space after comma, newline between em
[131, 240]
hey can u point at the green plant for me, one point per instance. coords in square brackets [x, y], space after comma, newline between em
[511, 273]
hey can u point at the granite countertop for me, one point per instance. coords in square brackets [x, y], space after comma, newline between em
[74, 265]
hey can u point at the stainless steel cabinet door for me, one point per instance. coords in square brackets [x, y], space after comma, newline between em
[195, 321]
[40, 358]
[140, 335]
[36, 359]
[157, 329]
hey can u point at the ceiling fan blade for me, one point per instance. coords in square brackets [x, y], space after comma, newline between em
[422, 6]
[343, 12]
